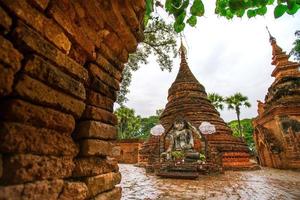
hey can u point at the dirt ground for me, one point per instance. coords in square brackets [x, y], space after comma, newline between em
[262, 184]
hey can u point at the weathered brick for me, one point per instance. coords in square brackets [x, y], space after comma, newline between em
[36, 190]
[46, 72]
[131, 18]
[138, 6]
[35, 42]
[108, 54]
[92, 166]
[5, 21]
[62, 14]
[74, 191]
[94, 12]
[102, 183]
[6, 80]
[20, 138]
[103, 76]
[38, 116]
[94, 147]
[101, 87]
[94, 113]
[112, 16]
[9, 55]
[13, 192]
[23, 168]
[93, 29]
[108, 67]
[116, 46]
[40, 4]
[94, 129]
[99, 100]
[1, 166]
[39, 92]
[42, 24]
[115, 193]
[78, 54]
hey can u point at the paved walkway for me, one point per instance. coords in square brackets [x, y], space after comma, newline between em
[262, 184]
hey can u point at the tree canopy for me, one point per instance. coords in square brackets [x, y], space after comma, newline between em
[132, 126]
[247, 129]
[235, 102]
[187, 11]
[296, 48]
[217, 100]
[129, 124]
[160, 41]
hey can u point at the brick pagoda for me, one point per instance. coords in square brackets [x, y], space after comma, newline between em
[277, 126]
[187, 98]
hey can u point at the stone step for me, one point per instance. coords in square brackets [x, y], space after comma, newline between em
[183, 169]
[179, 175]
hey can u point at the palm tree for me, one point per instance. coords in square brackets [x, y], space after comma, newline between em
[235, 102]
[217, 100]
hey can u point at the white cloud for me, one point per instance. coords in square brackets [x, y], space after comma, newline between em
[225, 56]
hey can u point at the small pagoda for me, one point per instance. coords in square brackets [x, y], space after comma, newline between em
[188, 100]
[277, 126]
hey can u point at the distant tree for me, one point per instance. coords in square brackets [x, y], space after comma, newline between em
[296, 49]
[247, 129]
[146, 124]
[235, 102]
[129, 124]
[160, 41]
[217, 100]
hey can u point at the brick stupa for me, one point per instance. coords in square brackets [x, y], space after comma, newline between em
[187, 98]
[277, 126]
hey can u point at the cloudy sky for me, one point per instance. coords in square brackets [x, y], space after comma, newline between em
[225, 56]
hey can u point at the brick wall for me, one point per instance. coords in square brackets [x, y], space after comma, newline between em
[60, 67]
[128, 151]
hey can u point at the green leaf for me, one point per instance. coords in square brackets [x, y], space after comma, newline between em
[270, 2]
[169, 6]
[149, 10]
[179, 6]
[235, 4]
[175, 6]
[293, 10]
[263, 2]
[185, 4]
[240, 13]
[262, 10]
[177, 3]
[229, 14]
[146, 19]
[251, 13]
[279, 10]
[149, 6]
[222, 12]
[180, 18]
[179, 27]
[197, 8]
[291, 4]
[192, 21]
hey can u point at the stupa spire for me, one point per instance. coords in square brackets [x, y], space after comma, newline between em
[276, 50]
[182, 52]
[271, 38]
[283, 67]
[184, 73]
